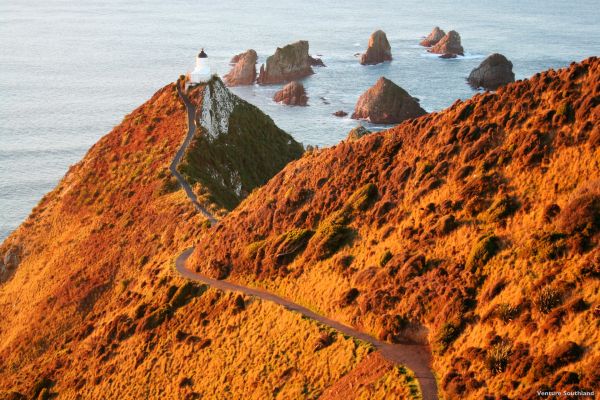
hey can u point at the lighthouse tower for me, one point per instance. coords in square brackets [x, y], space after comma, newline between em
[201, 72]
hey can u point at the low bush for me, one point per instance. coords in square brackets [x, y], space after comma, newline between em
[289, 244]
[547, 299]
[448, 334]
[486, 247]
[497, 357]
[506, 312]
[502, 208]
[329, 238]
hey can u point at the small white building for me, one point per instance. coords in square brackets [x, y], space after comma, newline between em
[202, 71]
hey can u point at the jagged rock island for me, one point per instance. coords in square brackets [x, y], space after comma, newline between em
[292, 94]
[493, 72]
[387, 103]
[243, 71]
[378, 50]
[289, 63]
[433, 38]
[449, 46]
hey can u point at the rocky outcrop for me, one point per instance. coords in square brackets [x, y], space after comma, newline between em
[379, 49]
[316, 62]
[244, 70]
[493, 72]
[387, 103]
[12, 258]
[340, 113]
[357, 133]
[292, 94]
[9, 262]
[449, 44]
[289, 63]
[434, 37]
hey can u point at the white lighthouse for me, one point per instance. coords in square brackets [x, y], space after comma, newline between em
[202, 71]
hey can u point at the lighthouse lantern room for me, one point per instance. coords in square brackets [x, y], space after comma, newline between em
[202, 71]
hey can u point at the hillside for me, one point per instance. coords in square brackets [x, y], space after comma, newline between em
[475, 229]
[91, 307]
[236, 148]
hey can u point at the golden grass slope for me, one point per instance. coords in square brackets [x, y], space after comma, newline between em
[476, 228]
[95, 310]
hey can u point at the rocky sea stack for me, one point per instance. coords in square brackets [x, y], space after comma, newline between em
[244, 69]
[379, 49]
[289, 63]
[387, 103]
[449, 44]
[434, 37]
[493, 72]
[292, 94]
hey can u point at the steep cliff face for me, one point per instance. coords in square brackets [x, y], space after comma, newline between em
[236, 148]
[90, 306]
[480, 224]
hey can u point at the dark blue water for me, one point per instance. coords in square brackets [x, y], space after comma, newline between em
[70, 71]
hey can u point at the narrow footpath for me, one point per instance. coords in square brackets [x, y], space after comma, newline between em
[416, 357]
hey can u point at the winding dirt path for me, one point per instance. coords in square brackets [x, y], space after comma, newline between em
[416, 357]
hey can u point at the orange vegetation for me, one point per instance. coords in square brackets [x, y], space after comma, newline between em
[476, 228]
[95, 310]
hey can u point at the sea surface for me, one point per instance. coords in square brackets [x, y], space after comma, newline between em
[71, 70]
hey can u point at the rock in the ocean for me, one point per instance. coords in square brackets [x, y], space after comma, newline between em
[357, 133]
[289, 63]
[340, 113]
[244, 70]
[292, 94]
[434, 37]
[379, 49]
[236, 58]
[449, 44]
[493, 72]
[316, 62]
[448, 55]
[387, 103]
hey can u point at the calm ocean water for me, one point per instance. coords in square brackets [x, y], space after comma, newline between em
[70, 71]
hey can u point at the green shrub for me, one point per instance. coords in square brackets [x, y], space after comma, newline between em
[501, 208]
[289, 244]
[362, 198]
[330, 237]
[485, 248]
[448, 334]
[253, 248]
